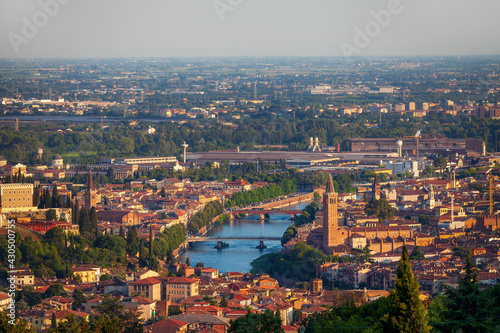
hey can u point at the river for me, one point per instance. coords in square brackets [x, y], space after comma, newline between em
[238, 256]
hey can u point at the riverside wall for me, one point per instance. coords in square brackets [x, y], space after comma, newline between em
[277, 204]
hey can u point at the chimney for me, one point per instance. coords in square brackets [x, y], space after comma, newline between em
[311, 144]
[316, 144]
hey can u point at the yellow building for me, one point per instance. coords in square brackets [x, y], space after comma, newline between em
[16, 197]
[87, 273]
[179, 288]
[148, 287]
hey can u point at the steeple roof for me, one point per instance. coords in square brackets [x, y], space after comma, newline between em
[329, 185]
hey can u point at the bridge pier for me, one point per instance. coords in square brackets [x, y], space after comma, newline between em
[261, 246]
[221, 245]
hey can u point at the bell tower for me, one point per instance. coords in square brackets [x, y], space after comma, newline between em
[330, 216]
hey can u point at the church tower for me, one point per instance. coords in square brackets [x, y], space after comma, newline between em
[90, 194]
[431, 202]
[330, 216]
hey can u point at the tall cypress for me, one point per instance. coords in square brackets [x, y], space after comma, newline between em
[407, 313]
[55, 197]
[122, 232]
[76, 213]
[466, 303]
[47, 200]
[132, 236]
[36, 197]
[84, 221]
[150, 242]
[93, 219]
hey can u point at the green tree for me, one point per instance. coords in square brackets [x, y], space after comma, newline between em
[223, 302]
[36, 197]
[466, 304]
[440, 163]
[84, 223]
[265, 322]
[381, 209]
[53, 323]
[55, 197]
[417, 254]
[122, 232]
[407, 313]
[54, 290]
[76, 213]
[51, 215]
[78, 298]
[150, 242]
[93, 220]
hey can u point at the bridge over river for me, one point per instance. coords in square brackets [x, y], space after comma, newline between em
[220, 240]
[263, 212]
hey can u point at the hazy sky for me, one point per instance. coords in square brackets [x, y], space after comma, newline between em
[172, 28]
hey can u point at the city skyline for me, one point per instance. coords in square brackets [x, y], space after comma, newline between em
[212, 28]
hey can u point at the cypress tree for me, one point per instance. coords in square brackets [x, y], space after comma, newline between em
[60, 203]
[84, 221]
[93, 219]
[407, 313]
[150, 242]
[132, 236]
[53, 324]
[36, 197]
[122, 232]
[76, 213]
[466, 303]
[55, 197]
[47, 200]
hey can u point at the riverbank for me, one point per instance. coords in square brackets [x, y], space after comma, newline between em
[291, 200]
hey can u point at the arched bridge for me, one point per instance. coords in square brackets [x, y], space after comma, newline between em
[231, 238]
[266, 211]
[220, 240]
